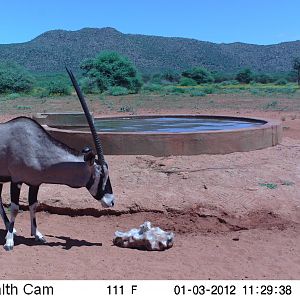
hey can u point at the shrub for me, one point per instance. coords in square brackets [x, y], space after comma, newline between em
[200, 75]
[117, 91]
[197, 93]
[151, 87]
[59, 88]
[296, 67]
[14, 79]
[171, 76]
[229, 82]
[209, 90]
[146, 77]
[262, 78]
[184, 81]
[41, 92]
[221, 77]
[88, 86]
[156, 78]
[111, 69]
[176, 90]
[13, 96]
[244, 76]
[281, 81]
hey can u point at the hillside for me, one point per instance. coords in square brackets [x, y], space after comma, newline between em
[50, 51]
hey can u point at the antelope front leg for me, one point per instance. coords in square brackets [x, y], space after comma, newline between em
[33, 192]
[2, 211]
[15, 189]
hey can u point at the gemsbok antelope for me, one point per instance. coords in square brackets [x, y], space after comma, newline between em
[29, 155]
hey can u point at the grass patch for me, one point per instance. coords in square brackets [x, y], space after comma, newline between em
[270, 186]
[271, 105]
[23, 107]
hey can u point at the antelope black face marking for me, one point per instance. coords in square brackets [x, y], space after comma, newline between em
[99, 186]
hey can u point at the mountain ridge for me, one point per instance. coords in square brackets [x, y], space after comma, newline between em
[52, 50]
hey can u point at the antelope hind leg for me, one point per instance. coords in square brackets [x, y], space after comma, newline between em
[15, 189]
[32, 197]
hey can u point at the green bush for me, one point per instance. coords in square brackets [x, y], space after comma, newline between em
[111, 69]
[200, 75]
[221, 77]
[156, 78]
[15, 79]
[263, 78]
[88, 86]
[118, 91]
[244, 76]
[151, 87]
[13, 96]
[184, 81]
[197, 93]
[281, 81]
[175, 90]
[59, 88]
[229, 82]
[41, 92]
[171, 76]
[209, 90]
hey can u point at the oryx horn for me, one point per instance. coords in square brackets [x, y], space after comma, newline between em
[98, 146]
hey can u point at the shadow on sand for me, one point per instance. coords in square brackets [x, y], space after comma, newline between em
[67, 243]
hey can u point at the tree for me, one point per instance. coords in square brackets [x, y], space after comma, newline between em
[263, 78]
[200, 75]
[111, 69]
[171, 76]
[58, 87]
[296, 66]
[244, 76]
[14, 78]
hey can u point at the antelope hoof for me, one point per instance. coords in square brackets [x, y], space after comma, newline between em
[8, 246]
[40, 239]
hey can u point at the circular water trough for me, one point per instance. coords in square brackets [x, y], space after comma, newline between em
[254, 134]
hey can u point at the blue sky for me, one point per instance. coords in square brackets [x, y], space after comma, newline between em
[249, 21]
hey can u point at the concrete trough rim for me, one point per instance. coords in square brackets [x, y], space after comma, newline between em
[177, 143]
[266, 123]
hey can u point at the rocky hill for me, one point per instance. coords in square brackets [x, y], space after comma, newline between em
[50, 51]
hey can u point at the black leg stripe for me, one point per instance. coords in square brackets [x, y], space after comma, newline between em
[90, 182]
[11, 227]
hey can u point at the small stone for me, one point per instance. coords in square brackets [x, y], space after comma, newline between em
[185, 175]
[236, 239]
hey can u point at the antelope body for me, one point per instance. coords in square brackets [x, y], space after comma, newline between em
[29, 155]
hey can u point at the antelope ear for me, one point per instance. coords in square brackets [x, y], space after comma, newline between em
[88, 155]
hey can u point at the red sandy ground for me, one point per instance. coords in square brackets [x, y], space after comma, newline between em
[227, 225]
